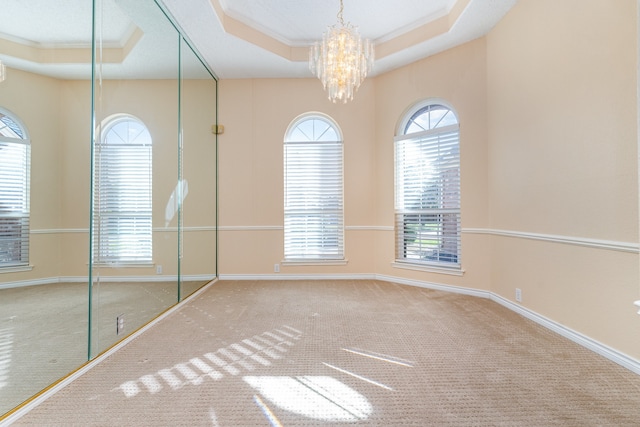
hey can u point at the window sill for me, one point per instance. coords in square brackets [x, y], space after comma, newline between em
[16, 269]
[453, 271]
[303, 262]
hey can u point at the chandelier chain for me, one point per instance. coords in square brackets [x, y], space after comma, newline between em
[339, 16]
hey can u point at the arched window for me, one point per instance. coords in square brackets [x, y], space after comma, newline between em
[122, 192]
[427, 187]
[313, 201]
[15, 159]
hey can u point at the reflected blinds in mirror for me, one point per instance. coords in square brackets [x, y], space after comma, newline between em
[15, 154]
[122, 193]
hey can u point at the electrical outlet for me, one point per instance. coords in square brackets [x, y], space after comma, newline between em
[119, 324]
[158, 269]
[518, 295]
[276, 268]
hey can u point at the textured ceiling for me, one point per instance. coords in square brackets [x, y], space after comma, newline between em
[299, 23]
[215, 28]
[236, 38]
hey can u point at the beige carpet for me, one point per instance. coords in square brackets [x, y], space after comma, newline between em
[330, 353]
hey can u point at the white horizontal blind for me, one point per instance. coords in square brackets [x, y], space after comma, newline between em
[122, 195]
[313, 200]
[428, 196]
[14, 203]
[15, 157]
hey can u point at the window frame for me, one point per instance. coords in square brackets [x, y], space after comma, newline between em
[138, 217]
[23, 216]
[443, 223]
[313, 251]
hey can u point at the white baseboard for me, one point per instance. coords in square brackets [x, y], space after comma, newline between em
[106, 279]
[589, 343]
[583, 340]
[280, 276]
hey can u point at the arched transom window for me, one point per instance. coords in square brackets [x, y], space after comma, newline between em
[313, 196]
[427, 187]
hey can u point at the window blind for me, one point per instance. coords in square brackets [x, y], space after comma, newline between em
[14, 202]
[122, 197]
[313, 208]
[427, 217]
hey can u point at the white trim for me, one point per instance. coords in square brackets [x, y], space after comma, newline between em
[303, 262]
[59, 230]
[576, 241]
[250, 227]
[22, 283]
[279, 276]
[452, 271]
[16, 269]
[100, 358]
[437, 286]
[593, 345]
[583, 340]
[280, 227]
[104, 279]
[155, 229]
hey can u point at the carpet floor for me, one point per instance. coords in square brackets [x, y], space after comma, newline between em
[330, 353]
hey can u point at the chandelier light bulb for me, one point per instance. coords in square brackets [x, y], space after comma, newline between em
[342, 60]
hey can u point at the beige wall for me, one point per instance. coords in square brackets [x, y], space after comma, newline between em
[563, 161]
[547, 107]
[59, 127]
[256, 114]
[457, 77]
[35, 100]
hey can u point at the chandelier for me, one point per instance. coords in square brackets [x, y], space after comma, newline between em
[342, 60]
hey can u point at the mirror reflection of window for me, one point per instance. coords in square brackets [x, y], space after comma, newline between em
[15, 157]
[122, 193]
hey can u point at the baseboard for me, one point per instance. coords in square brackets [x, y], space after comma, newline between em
[437, 286]
[106, 279]
[20, 411]
[583, 340]
[280, 276]
[589, 343]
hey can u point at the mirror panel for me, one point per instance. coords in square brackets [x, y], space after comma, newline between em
[74, 258]
[135, 170]
[198, 173]
[44, 295]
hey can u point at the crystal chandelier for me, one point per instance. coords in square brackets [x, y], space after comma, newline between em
[342, 60]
